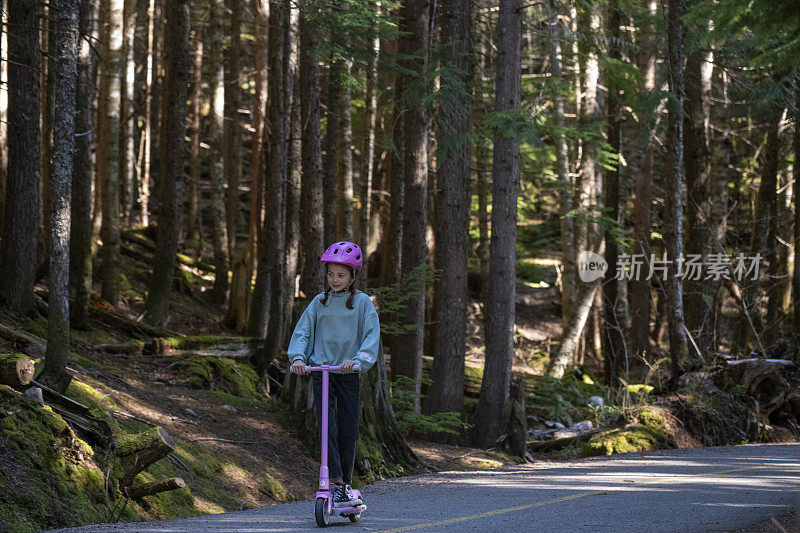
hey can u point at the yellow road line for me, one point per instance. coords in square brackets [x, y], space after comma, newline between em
[570, 497]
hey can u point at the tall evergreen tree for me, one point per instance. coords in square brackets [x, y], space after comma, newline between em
[493, 405]
[219, 230]
[176, 62]
[673, 189]
[311, 201]
[18, 247]
[55, 363]
[414, 21]
[452, 205]
[80, 258]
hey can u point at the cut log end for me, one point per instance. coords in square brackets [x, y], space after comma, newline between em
[16, 370]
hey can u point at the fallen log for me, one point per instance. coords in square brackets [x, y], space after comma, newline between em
[137, 452]
[76, 414]
[16, 370]
[28, 344]
[127, 325]
[143, 241]
[140, 490]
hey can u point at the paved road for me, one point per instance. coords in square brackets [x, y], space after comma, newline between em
[704, 489]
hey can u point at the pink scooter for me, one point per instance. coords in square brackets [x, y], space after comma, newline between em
[324, 508]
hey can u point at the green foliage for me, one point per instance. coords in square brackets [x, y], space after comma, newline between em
[403, 397]
[393, 300]
[563, 400]
[518, 124]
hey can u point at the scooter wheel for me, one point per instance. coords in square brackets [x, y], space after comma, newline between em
[321, 513]
[354, 517]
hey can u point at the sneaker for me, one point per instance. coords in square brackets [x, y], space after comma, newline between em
[352, 493]
[342, 498]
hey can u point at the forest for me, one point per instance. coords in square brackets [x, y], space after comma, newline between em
[570, 210]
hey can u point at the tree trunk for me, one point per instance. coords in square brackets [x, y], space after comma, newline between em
[673, 190]
[294, 160]
[407, 354]
[569, 272]
[493, 405]
[640, 285]
[231, 131]
[156, 78]
[18, 247]
[482, 153]
[215, 162]
[238, 310]
[173, 130]
[49, 25]
[55, 363]
[152, 89]
[108, 158]
[565, 356]
[270, 291]
[772, 157]
[331, 144]
[141, 55]
[3, 114]
[311, 207]
[368, 222]
[126, 156]
[193, 224]
[452, 205]
[762, 238]
[614, 334]
[796, 194]
[344, 182]
[80, 259]
[698, 298]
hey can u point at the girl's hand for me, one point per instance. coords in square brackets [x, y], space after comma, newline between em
[350, 366]
[299, 368]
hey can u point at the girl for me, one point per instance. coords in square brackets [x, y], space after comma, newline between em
[339, 327]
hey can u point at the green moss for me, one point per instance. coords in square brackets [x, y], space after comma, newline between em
[48, 478]
[648, 431]
[637, 439]
[221, 375]
[275, 488]
[35, 326]
[91, 336]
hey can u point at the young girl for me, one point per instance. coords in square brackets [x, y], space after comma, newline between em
[339, 327]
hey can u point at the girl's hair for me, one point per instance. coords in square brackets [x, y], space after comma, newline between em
[349, 304]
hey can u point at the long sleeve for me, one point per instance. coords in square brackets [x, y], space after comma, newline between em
[302, 343]
[368, 351]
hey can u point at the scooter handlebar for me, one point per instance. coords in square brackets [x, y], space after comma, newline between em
[323, 367]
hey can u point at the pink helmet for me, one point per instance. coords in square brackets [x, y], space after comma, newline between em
[345, 253]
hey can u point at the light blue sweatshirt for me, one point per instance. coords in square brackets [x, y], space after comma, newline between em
[332, 334]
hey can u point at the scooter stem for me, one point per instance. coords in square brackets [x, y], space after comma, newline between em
[324, 476]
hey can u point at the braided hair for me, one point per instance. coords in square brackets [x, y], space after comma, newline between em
[324, 298]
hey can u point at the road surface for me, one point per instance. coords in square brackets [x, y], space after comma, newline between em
[702, 489]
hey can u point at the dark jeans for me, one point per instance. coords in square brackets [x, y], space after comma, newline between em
[342, 421]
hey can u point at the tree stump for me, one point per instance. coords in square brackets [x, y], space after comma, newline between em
[16, 370]
[137, 452]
